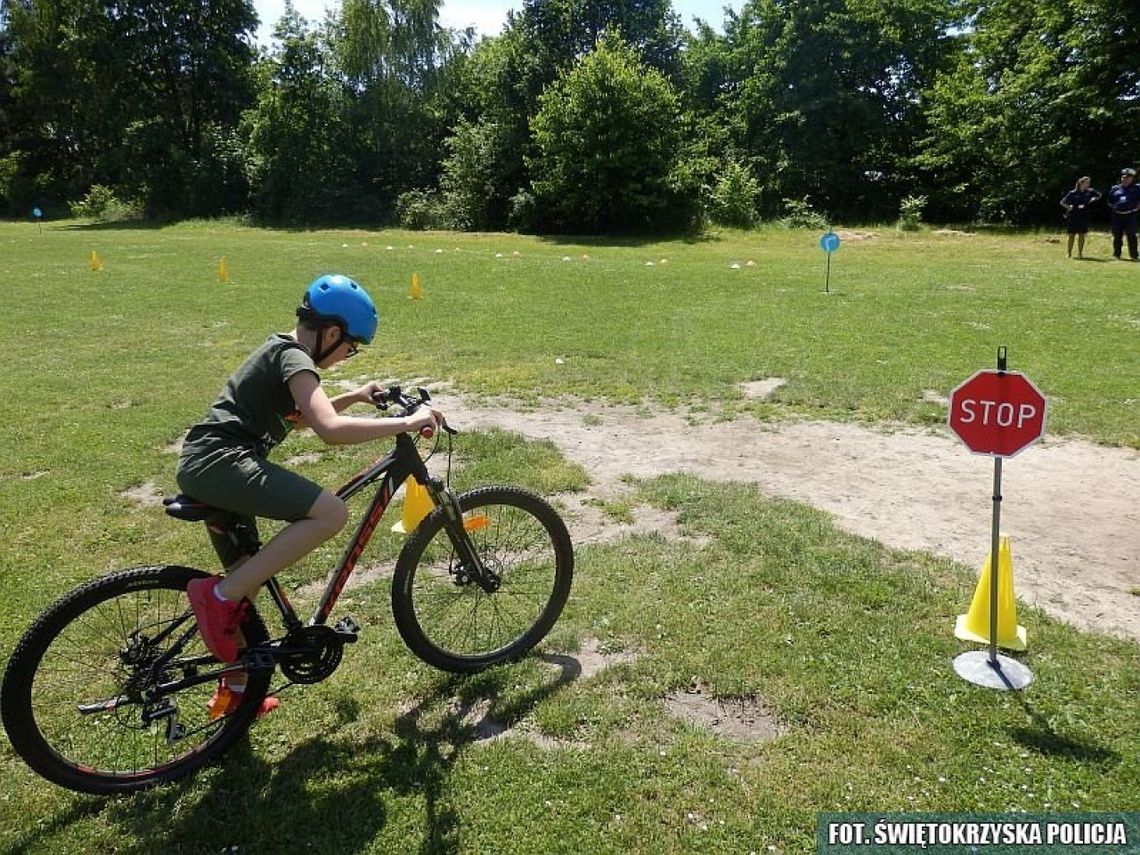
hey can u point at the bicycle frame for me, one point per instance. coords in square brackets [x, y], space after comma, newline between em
[397, 466]
[394, 468]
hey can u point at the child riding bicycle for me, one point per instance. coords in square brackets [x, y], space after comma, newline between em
[224, 460]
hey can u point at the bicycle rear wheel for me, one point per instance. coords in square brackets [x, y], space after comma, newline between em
[446, 618]
[88, 703]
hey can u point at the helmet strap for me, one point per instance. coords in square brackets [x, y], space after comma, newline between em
[321, 356]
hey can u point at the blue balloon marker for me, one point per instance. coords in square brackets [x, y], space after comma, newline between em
[37, 213]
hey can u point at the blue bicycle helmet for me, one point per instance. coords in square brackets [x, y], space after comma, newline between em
[340, 300]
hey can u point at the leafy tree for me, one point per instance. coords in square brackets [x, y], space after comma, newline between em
[707, 69]
[826, 94]
[189, 61]
[9, 159]
[610, 147]
[63, 110]
[473, 192]
[493, 96]
[562, 31]
[128, 94]
[1041, 91]
[299, 157]
[733, 198]
[387, 52]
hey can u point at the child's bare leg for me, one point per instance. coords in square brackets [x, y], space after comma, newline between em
[327, 516]
[237, 681]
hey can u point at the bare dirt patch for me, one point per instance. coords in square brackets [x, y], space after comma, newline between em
[145, 495]
[748, 718]
[1071, 509]
[762, 388]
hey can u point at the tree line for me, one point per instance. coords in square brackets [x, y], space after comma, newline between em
[588, 116]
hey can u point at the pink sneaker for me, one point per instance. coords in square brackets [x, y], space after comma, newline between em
[226, 700]
[218, 620]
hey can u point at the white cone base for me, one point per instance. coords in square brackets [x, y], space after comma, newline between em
[1008, 675]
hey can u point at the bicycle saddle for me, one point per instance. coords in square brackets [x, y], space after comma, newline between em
[183, 507]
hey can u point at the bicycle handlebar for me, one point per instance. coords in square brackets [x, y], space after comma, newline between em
[395, 395]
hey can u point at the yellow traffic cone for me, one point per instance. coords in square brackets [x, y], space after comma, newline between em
[417, 505]
[417, 292]
[223, 271]
[96, 262]
[975, 624]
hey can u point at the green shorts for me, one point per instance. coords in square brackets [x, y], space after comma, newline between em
[236, 479]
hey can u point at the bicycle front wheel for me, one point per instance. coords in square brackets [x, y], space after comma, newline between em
[107, 691]
[451, 621]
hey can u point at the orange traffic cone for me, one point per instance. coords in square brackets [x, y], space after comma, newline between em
[96, 261]
[417, 292]
[223, 271]
[417, 505]
[975, 624]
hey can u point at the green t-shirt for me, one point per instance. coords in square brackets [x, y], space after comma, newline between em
[255, 406]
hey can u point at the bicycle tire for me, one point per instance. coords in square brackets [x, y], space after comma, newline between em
[518, 535]
[103, 622]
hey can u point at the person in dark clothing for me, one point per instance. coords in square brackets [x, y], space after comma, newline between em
[1124, 201]
[225, 458]
[1076, 204]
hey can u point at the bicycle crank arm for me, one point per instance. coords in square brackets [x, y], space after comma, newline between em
[108, 705]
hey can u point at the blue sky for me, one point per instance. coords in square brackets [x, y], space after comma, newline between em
[487, 16]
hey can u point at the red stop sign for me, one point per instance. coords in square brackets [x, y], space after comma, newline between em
[998, 413]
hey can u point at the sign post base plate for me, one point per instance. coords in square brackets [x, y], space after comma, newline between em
[1006, 675]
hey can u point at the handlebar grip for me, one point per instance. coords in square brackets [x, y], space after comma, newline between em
[427, 432]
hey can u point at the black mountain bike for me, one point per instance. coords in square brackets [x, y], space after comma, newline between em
[106, 692]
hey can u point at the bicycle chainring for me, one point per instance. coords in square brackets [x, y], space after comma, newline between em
[316, 653]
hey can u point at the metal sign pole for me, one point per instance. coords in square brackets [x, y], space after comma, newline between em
[827, 281]
[995, 538]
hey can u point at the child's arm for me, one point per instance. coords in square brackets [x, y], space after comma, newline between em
[319, 413]
[343, 401]
[363, 395]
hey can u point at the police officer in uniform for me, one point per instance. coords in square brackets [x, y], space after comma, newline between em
[1124, 201]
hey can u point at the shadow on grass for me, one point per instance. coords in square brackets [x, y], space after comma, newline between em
[328, 793]
[35, 839]
[433, 734]
[626, 241]
[112, 226]
[1044, 739]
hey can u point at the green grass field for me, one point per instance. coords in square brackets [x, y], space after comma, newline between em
[845, 641]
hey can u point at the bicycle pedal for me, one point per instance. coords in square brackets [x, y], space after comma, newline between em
[175, 730]
[347, 629]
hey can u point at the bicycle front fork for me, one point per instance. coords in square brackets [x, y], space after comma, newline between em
[471, 564]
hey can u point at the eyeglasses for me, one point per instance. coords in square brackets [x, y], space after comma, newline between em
[352, 348]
